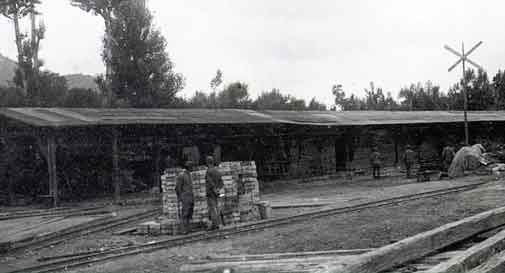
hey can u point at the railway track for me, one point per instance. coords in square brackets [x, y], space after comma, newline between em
[91, 258]
[67, 212]
[104, 223]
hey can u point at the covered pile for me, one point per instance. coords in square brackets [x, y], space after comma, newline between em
[468, 158]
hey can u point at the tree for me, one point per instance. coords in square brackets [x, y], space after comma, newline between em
[200, 100]
[235, 95]
[423, 97]
[81, 97]
[11, 97]
[338, 91]
[141, 72]
[49, 90]
[498, 87]
[105, 9]
[216, 81]
[272, 100]
[295, 104]
[15, 10]
[315, 105]
[479, 90]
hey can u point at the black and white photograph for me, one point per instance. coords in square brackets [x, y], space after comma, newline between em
[241, 136]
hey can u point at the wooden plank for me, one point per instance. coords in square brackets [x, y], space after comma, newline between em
[156, 162]
[473, 256]
[495, 264]
[279, 265]
[299, 205]
[418, 246]
[285, 255]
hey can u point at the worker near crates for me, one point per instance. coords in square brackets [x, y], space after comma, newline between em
[184, 191]
[409, 159]
[213, 186]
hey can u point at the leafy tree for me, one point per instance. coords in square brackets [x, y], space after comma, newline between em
[338, 91]
[375, 99]
[272, 100]
[141, 72]
[235, 95]
[107, 10]
[479, 90]
[354, 103]
[28, 61]
[498, 87]
[315, 105]
[200, 100]
[295, 104]
[217, 80]
[389, 103]
[49, 90]
[455, 97]
[422, 97]
[81, 97]
[11, 97]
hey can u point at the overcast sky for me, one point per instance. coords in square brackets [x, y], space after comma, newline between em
[300, 47]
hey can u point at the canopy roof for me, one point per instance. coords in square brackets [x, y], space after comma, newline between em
[71, 117]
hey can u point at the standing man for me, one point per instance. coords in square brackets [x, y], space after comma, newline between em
[409, 158]
[375, 161]
[213, 185]
[184, 191]
[447, 157]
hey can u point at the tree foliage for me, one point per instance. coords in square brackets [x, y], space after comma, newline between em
[81, 97]
[234, 95]
[217, 80]
[28, 48]
[141, 72]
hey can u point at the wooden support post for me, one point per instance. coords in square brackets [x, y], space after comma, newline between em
[395, 140]
[51, 169]
[11, 189]
[156, 161]
[115, 166]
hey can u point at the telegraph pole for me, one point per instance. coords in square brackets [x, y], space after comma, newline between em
[465, 97]
[463, 58]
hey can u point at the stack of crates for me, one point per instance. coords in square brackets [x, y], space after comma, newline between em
[169, 197]
[229, 203]
[241, 193]
[200, 211]
[249, 191]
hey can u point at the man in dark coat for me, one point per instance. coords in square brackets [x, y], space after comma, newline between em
[409, 159]
[375, 161]
[447, 157]
[184, 191]
[214, 184]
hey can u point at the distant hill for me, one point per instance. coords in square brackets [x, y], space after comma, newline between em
[8, 68]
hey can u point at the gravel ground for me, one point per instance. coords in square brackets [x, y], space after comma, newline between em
[370, 228]
[365, 229]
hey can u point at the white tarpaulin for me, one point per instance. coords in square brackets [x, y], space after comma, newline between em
[467, 159]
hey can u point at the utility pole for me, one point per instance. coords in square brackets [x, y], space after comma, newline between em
[463, 58]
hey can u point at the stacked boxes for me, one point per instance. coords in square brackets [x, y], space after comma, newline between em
[200, 211]
[241, 192]
[169, 197]
[229, 203]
